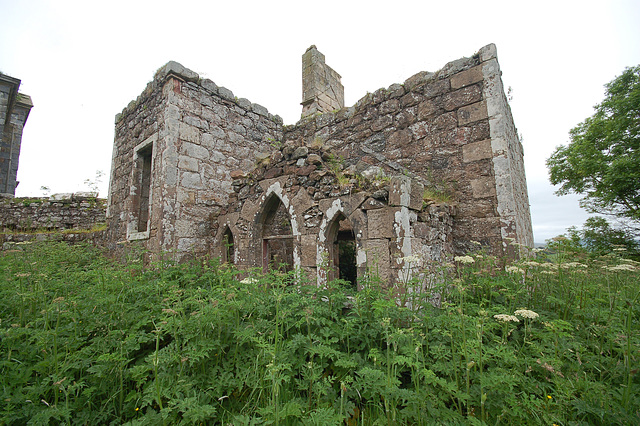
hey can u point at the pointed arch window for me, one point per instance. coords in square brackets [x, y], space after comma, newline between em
[228, 247]
[277, 237]
[342, 250]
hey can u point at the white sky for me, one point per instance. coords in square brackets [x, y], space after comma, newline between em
[82, 62]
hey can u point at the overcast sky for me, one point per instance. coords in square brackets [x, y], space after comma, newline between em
[82, 62]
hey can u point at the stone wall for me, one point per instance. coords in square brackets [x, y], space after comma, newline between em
[182, 152]
[453, 131]
[305, 197]
[58, 213]
[198, 133]
[68, 217]
[14, 111]
[138, 124]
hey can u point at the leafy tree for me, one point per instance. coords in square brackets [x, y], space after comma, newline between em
[602, 162]
[598, 237]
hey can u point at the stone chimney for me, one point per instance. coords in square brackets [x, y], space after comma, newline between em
[321, 87]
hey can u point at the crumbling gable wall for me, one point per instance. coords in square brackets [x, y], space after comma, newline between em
[387, 218]
[453, 131]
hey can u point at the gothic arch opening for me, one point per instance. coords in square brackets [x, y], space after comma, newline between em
[342, 250]
[228, 247]
[277, 236]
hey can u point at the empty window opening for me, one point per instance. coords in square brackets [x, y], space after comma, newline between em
[228, 249]
[277, 237]
[144, 159]
[342, 249]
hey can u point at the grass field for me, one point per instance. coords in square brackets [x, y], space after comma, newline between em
[554, 339]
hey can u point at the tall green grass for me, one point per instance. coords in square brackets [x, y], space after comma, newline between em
[84, 340]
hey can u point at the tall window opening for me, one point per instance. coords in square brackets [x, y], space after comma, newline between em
[144, 159]
[342, 251]
[277, 237]
[228, 249]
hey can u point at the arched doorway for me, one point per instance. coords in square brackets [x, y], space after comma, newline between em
[342, 250]
[277, 237]
[228, 248]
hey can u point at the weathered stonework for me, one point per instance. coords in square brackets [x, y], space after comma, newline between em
[193, 134]
[14, 111]
[59, 212]
[196, 171]
[66, 217]
[322, 90]
[317, 202]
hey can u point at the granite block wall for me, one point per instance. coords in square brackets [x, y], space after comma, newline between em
[197, 133]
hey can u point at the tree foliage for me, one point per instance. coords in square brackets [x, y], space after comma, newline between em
[602, 162]
[598, 237]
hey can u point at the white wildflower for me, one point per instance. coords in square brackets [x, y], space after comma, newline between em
[548, 265]
[537, 250]
[514, 270]
[410, 259]
[525, 313]
[506, 318]
[249, 280]
[622, 267]
[571, 265]
[620, 249]
[531, 264]
[464, 259]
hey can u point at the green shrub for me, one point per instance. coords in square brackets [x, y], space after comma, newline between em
[84, 340]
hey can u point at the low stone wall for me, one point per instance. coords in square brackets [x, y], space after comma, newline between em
[65, 217]
[58, 212]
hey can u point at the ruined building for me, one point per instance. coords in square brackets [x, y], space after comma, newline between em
[14, 111]
[415, 172]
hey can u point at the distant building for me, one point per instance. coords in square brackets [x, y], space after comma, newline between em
[14, 111]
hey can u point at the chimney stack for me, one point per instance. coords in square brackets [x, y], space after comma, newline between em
[321, 87]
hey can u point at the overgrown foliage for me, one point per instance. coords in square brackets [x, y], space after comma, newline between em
[602, 162]
[597, 237]
[87, 341]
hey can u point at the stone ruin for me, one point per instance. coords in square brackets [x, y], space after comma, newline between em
[420, 170]
[14, 111]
